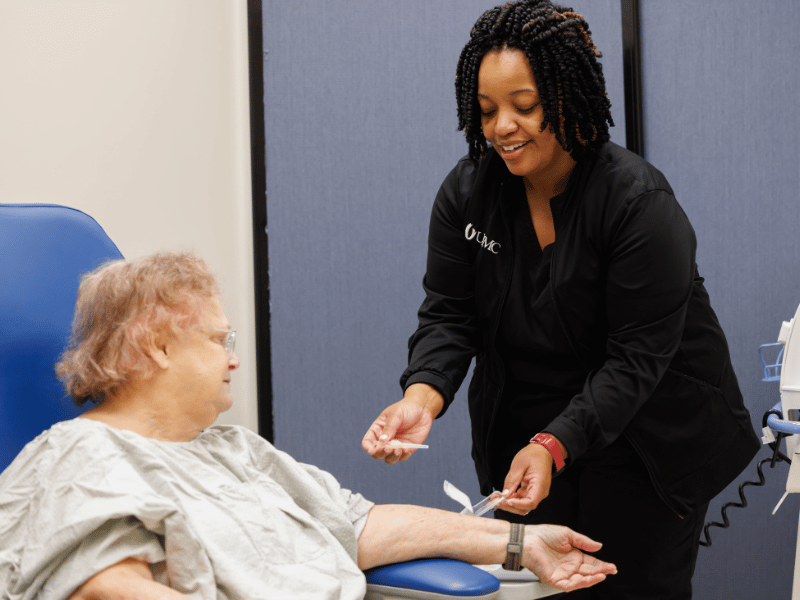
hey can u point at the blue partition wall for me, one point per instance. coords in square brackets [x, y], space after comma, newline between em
[721, 81]
[360, 131]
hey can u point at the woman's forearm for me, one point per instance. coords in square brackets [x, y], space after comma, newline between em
[397, 532]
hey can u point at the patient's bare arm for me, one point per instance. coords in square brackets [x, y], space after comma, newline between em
[130, 579]
[395, 533]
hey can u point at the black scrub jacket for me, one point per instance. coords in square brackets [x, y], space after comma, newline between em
[630, 301]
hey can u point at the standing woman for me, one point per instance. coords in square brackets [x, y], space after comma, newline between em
[603, 395]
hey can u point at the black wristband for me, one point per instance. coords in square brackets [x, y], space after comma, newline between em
[514, 548]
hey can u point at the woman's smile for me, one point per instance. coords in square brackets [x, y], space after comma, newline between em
[510, 151]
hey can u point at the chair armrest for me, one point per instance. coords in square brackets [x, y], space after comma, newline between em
[431, 579]
[519, 585]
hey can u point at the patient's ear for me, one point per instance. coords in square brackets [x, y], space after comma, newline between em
[159, 350]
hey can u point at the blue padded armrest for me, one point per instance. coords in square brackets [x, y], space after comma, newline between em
[432, 578]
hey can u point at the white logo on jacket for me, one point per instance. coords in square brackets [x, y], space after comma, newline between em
[471, 233]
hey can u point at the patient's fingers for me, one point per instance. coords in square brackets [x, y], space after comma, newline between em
[577, 582]
[584, 543]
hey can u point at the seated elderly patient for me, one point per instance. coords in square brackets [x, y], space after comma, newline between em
[142, 495]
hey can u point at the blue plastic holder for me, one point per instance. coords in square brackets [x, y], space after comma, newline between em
[772, 371]
[438, 576]
[781, 425]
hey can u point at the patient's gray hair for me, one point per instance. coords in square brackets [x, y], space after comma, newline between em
[122, 307]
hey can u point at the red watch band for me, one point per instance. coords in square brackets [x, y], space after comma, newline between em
[550, 443]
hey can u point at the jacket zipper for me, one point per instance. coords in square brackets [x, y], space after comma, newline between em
[495, 327]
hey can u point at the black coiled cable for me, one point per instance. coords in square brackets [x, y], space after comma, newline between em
[776, 456]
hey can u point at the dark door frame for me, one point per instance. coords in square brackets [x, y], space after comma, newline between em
[632, 65]
[258, 170]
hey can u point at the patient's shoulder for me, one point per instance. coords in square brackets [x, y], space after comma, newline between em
[47, 476]
[67, 452]
[37, 458]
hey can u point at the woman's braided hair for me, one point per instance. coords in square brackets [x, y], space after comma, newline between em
[563, 59]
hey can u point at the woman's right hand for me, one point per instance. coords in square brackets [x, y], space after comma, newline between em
[408, 420]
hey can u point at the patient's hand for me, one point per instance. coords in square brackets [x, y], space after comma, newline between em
[130, 579]
[555, 554]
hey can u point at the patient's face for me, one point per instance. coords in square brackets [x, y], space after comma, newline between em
[201, 368]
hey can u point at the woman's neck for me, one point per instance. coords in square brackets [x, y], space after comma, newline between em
[150, 417]
[547, 184]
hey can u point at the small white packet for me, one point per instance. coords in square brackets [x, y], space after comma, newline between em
[459, 496]
[480, 508]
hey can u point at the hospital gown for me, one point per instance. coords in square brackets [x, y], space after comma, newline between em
[223, 516]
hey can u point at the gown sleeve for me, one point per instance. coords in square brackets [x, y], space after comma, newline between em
[65, 516]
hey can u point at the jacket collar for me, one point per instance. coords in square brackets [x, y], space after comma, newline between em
[493, 175]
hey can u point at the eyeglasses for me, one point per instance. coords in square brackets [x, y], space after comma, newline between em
[230, 339]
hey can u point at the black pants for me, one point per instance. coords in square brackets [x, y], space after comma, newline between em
[610, 498]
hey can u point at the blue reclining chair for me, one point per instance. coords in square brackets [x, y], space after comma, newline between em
[44, 251]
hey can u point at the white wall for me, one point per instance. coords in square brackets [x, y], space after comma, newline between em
[136, 112]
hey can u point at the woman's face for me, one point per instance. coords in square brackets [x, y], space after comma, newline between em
[202, 367]
[511, 116]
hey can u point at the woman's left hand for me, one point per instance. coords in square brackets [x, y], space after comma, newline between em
[528, 479]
